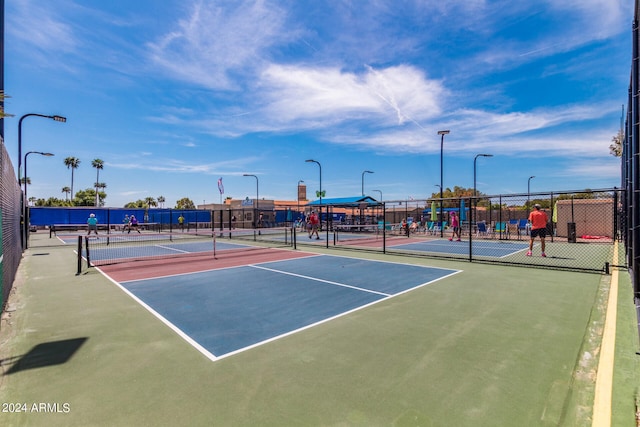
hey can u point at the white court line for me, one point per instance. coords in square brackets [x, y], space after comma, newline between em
[321, 280]
[172, 249]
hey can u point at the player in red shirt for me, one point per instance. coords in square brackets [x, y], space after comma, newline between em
[314, 221]
[538, 220]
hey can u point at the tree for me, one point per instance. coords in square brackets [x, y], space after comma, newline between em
[2, 98]
[150, 201]
[185, 203]
[99, 165]
[135, 205]
[161, 201]
[66, 190]
[72, 163]
[85, 197]
[25, 179]
[52, 201]
[615, 149]
[101, 194]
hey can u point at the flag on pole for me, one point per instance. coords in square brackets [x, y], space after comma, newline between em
[220, 186]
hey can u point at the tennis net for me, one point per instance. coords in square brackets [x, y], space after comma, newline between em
[125, 248]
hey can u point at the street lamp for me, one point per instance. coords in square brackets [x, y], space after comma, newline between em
[379, 191]
[25, 213]
[257, 210]
[55, 118]
[475, 193]
[363, 180]
[25, 168]
[529, 192]
[442, 133]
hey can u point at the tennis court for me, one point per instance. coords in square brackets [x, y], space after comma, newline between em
[224, 310]
[314, 337]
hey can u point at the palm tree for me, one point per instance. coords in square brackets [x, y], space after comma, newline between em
[98, 164]
[66, 190]
[150, 201]
[161, 201]
[72, 163]
[100, 194]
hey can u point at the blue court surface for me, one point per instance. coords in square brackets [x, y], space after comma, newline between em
[489, 248]
[225, 311]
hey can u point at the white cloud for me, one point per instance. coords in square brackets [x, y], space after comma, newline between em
[213, 42]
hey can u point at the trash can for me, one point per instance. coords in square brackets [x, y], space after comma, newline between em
[571, 232]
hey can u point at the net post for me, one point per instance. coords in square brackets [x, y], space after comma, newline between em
[384, 228]
[79, 270]
[294, 237]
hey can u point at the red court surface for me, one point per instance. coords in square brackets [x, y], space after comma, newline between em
[146, 269]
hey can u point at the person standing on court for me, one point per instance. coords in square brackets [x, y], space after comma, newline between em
[125, 223]
[538, 220]
[314, 222]
[133, 223]
[455, 226]
[92, 222]
[181, 222]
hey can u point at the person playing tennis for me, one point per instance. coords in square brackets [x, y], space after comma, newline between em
[92, 222]
[538, 220]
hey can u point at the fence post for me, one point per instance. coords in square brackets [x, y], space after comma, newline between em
[79, 270]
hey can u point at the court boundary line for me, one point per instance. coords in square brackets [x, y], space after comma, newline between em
[344, 285]
[353, 310]
[164, 320]
[602, 410]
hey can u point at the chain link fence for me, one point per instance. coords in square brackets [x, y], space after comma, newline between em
[581, 232]
[10, 212]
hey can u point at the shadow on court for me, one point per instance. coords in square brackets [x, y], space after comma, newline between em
[46, 354]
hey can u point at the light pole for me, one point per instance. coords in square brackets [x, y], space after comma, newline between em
[442, 133]
[56, 118]
[363, 180]
[378, 191]
[25, 213]
[528, 193]
[320, 192]
[257, 209]
[475, 193]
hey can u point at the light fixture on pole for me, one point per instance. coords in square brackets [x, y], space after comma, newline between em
[25, 213]
[442, 133]
[363, 180]
[378, 191]
[54, 117]
[256, 207]
[475, 193]
[529, 193]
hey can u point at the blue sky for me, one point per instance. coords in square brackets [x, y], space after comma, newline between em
[173, 95]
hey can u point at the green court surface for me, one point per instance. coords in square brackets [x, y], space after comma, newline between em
[490, 346]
